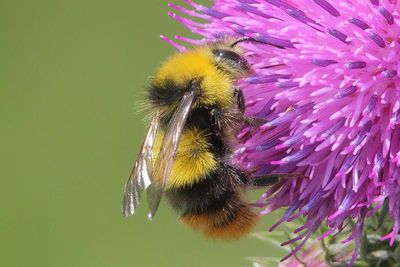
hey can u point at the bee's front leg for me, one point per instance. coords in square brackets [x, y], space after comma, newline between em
[233, 118]
[224, 118]
[239, 97]
[241, 107]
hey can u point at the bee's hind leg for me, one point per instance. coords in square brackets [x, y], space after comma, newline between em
[254, 121]
[271, 179]
[262, 180]
[241, 177]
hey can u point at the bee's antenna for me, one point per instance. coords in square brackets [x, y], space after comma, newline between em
[252, 40]
[244, 39]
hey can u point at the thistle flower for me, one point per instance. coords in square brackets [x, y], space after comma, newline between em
[326, 79]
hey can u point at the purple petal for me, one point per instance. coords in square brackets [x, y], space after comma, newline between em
[267, 78]
[338, 34]
[372, 103]
[359, 23]
[287, 84]
[268, 39]
[355, 65]
[389, 18]
[377, 39]
[328, 7]
[346, 92]
[389, 73]
[254, 11]
[323, 62]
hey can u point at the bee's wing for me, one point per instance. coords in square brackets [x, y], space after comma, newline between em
[166, 157]
[139, 179]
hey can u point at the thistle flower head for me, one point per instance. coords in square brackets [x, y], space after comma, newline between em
[326, 79]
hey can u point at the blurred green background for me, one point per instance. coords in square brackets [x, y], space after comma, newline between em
[71, 73]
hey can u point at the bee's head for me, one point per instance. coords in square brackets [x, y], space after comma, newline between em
[229, 60]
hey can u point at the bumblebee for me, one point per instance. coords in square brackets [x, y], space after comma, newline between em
[196, 112]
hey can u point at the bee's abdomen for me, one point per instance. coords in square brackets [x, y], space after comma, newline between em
[194, 159]
[203, 196]
[213, 207]
[231, 220]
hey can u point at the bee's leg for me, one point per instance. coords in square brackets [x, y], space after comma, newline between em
[239, 100]
[227, 118]
[240, 104]
[234, 118]
[240, 177]
[233, 175]
[255, 121]
[262, 180]
[270, 179]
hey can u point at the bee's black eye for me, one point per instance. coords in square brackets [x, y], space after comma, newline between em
[228, 55]
[233, 59]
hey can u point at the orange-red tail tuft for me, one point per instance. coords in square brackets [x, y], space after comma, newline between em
[231, 221]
